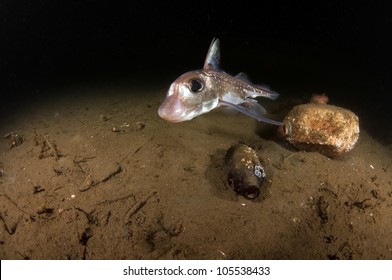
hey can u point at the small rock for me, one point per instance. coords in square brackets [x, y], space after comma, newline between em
[118, 130]
[327, 129]
[104, 118]
[38, 189]
[139, 125]
[14, 138]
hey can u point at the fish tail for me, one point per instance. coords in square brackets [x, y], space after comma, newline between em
[267, 92]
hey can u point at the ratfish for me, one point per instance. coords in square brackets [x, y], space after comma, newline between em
[198, 92]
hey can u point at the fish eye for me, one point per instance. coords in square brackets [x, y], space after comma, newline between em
[195, 85]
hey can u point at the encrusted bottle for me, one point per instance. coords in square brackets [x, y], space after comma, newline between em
[245, 174]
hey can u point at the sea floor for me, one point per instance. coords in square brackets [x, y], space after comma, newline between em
[94, 173]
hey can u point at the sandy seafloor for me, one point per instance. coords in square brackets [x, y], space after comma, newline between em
[87, 183]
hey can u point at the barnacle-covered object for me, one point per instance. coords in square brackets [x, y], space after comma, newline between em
[320, 127]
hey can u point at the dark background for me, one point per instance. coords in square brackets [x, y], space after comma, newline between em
[342, 48]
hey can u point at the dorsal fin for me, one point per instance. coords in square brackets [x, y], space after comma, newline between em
[213, 56]
[243, 76]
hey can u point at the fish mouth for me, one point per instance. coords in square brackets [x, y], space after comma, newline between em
[172, 110]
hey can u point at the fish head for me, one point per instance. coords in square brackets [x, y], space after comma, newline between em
[189, 96]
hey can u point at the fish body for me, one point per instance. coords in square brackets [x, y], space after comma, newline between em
[198, 92]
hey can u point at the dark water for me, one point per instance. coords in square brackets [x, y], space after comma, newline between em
[335, 48]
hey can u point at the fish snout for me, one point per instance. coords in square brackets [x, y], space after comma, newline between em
[172, 109]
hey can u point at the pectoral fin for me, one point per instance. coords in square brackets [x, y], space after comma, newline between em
[251, 109]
